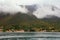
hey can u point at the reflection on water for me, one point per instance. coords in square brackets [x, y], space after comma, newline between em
[33, 36]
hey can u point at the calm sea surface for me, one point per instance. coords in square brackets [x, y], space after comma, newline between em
[30, 36]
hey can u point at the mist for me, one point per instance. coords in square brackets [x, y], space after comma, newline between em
[46, 9]
[11, 7]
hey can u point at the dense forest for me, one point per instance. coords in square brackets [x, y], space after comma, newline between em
[28, 23]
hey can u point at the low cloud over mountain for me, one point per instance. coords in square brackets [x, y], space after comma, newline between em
[39, 10]
[45, 10]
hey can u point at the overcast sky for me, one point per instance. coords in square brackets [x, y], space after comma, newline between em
[29, 2]
[13, 5]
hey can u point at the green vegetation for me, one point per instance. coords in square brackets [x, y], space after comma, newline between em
[28, 23]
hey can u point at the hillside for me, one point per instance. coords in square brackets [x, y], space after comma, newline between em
[28, 23]
[38, 18]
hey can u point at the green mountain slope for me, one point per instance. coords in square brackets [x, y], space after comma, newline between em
[28, 23]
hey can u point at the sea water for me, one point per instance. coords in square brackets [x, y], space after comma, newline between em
[30, 36]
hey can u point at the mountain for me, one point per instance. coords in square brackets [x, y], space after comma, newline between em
[45, 10]
[30, 8]
[51, 18]
[19, 17]
[16, 18]
[42, 18]
[41, 11]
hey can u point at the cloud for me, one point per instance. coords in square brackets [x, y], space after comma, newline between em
[11, 6]
[45, 10]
